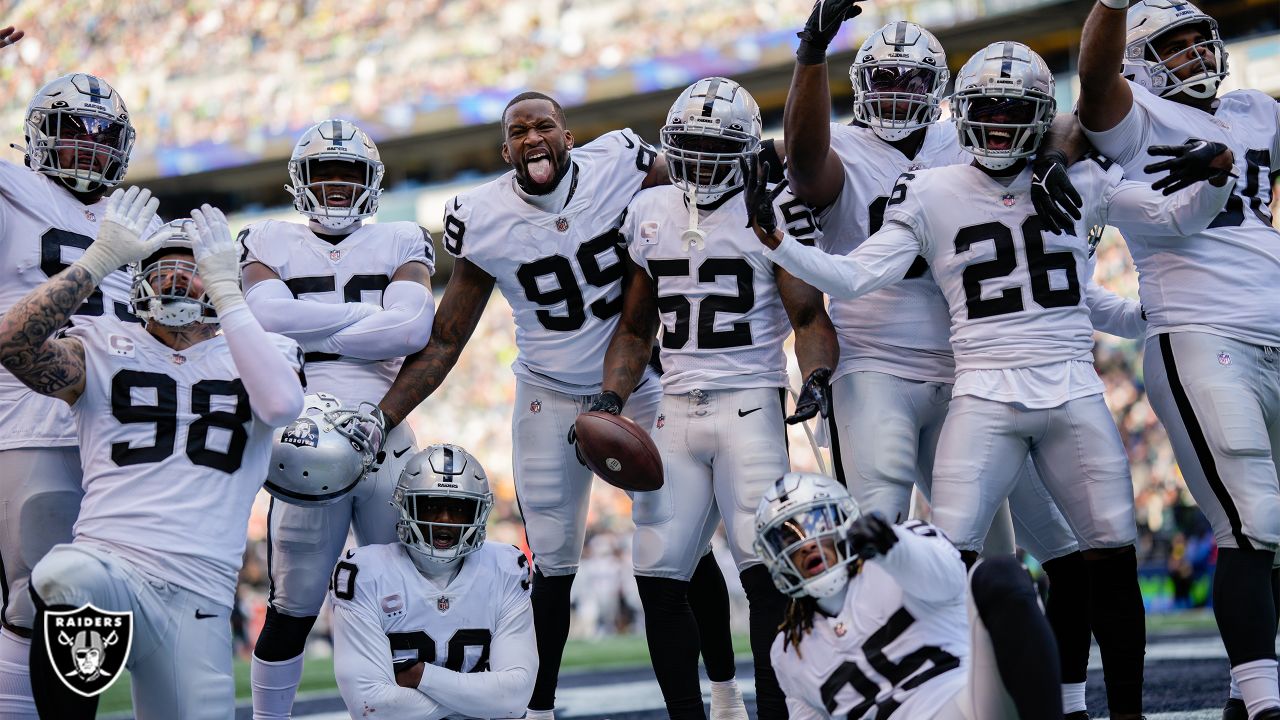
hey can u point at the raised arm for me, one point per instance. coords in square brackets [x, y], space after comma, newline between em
[463, 303]
[56, 367]
[272, 383]
[632, 341]
[401, 327]
[1105, 97]
[815, 171]
[915, 553]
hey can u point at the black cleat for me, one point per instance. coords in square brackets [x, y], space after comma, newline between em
[1271, 713]
[1234, 710]
[1077, 715]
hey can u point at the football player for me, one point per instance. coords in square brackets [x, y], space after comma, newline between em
[78, 141]
[975, 650]
[174, 422]
[439, 623]
[357, 298]
[890, 391]
[545, 235]
[1021, 332]
[1211, 349]
[696, 269]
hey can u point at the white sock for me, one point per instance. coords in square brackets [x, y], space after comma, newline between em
[16, 702]
[540, 715]
[726, 701]
[274, 685]
[1234, 692]
[1258, 685]
[1073, 697]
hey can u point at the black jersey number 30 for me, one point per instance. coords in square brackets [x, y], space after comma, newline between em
[163, 414]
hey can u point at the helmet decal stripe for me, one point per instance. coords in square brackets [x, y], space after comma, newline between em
[1006, 68]
[709, 104]
[900, 34]
[94, 89]
[336, 129]
[448, 460]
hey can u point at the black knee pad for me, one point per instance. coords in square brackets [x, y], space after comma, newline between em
[283, 637]
[997, 582]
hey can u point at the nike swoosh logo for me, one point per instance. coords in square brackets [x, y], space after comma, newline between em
[202, 616]
[351, 554]
[744, 413]
[398, 454]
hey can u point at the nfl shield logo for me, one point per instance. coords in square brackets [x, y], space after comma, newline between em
[88, 215]
[662, 420]
[1008, 199]
[535, 406]
[88, 647]
[442, 604]
[1224, 358]
[179, 359]
[335, 255]
[562, 224]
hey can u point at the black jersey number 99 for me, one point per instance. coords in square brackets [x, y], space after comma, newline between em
[163, 414]
[550, 281]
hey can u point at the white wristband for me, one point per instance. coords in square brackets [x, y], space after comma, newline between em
[1116, 4]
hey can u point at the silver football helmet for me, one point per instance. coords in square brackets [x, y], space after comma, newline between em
[898, 79]
[164, 289]
[335, 204]
[84, 115]
[442, 478]
[1146, 22]
[320, 457]
[714, 123]
[802, 525]
[1003, 104]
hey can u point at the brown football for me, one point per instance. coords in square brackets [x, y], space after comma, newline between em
[619, 451]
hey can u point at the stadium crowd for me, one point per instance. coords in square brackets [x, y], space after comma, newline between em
[232, 72]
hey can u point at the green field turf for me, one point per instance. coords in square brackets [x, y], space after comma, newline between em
[613, 652]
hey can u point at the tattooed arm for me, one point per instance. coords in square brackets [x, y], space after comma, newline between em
[50, 366]
[463, 303]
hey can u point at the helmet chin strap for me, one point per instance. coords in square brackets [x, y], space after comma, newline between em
[692, 235]
[1198, 89]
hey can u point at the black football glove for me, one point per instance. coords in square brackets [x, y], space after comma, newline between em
[1188, 164]
[608, 401]
[1054, 197]
[815, 397]
[821, 28]
[871, 535]
[755, 193]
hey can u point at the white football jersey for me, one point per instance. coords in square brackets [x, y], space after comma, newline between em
[723, 323]
[1221, 281]
[172, 453]
[898, 647]
[903, 329]
[561, 272]
[43, 229]
[387, 614]
[357, 269]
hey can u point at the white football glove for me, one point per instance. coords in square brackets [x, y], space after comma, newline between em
[120, 238]
[216, 258]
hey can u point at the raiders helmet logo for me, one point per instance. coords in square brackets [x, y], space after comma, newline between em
[88, 647]
[302, 432]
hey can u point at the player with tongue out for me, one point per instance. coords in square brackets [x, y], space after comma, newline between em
[545, 234]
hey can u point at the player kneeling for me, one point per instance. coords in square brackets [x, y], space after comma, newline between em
[878, 625]
[438, 624]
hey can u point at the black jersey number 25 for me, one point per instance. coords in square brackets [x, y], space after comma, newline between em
[156, 403]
